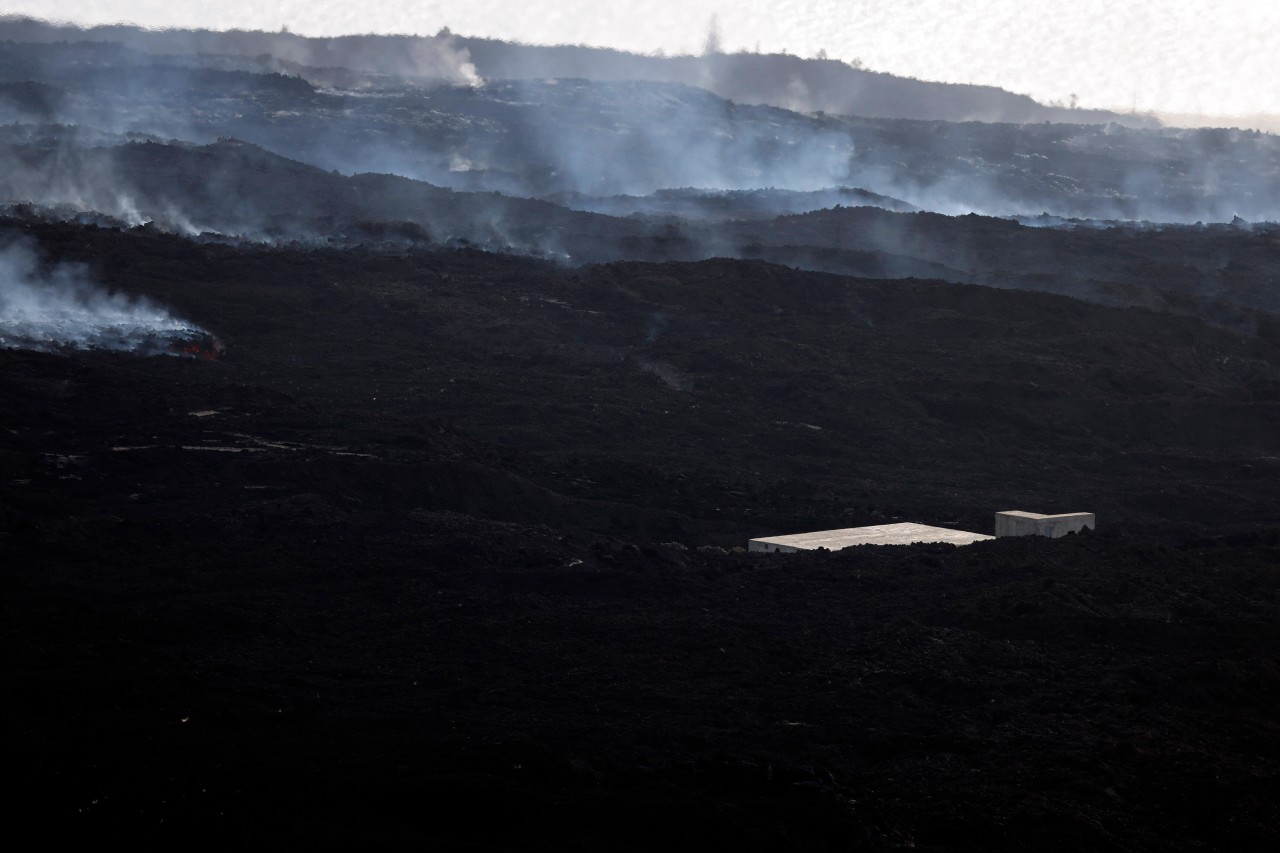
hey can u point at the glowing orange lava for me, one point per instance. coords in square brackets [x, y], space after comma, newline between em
[207, 347]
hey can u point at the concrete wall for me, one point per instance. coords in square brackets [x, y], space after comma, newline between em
[1018, 523]
[756, 546]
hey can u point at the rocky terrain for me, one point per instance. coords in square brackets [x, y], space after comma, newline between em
[342, 506]
[445, 548]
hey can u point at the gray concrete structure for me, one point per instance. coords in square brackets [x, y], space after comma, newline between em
[1017, 523]
[880, 534]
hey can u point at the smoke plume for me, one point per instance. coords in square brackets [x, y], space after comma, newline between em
[58, 308]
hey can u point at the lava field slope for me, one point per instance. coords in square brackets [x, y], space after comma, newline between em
[235, 192]
[440, 552]
[540, 137]
[745, 395]
[445, 548]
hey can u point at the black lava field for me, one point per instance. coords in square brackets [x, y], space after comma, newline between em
[382, 425]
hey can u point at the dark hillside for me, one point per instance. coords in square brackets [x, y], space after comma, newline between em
[379, 445]
[430, 556]
[744, 397]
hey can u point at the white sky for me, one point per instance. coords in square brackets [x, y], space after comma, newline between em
[1214, 57]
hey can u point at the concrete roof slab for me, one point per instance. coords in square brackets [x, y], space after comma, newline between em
[904, 533]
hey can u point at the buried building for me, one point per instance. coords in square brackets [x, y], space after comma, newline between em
[1008, 523]
[905, 533]
[1017, 523]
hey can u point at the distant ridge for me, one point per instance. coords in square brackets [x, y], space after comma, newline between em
[1265, 122]
[790, 82]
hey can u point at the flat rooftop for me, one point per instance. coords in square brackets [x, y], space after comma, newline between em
[904, 533]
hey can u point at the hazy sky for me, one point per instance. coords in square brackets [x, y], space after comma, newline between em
[1214, 57]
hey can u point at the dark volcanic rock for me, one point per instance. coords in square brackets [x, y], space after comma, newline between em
[406, 543]
[398, 568]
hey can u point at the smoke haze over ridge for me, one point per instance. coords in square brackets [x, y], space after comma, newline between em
[539, 137]
[564, 157]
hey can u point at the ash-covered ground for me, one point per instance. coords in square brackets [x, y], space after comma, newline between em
[376, 465]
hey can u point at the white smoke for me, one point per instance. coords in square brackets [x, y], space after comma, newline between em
[59, 308]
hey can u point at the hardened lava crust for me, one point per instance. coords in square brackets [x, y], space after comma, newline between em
[446, 550]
